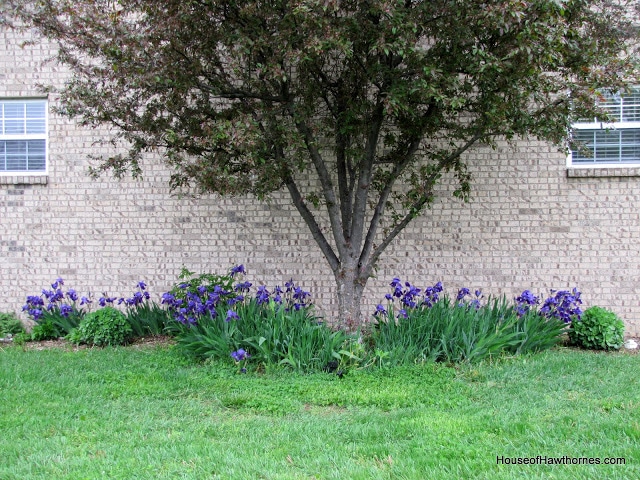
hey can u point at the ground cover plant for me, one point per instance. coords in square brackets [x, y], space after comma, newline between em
[152, 414]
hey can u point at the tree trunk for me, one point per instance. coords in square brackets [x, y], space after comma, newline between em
[350, 289]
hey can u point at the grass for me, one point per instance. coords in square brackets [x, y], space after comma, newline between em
[147, 413]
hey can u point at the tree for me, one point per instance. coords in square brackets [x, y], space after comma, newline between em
[377, 99]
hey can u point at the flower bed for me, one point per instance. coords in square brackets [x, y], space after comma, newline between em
[218, 316]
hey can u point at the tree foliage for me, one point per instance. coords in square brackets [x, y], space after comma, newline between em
[377, 99]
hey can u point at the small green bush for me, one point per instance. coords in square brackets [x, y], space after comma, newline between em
[106, 326]
[10, 324]
[599, 329]
[22, 338]
[74, 336]
[45, 330]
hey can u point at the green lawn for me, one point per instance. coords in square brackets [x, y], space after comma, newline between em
[148, 413]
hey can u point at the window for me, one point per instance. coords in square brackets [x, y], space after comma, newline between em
[610, 144]
[23, 136]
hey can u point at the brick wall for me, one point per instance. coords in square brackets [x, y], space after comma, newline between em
[531, 223]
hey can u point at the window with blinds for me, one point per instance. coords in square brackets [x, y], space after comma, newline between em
[23, 136]
[616, 141]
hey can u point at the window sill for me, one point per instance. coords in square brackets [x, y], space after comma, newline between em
[573, 172]
[24, 179]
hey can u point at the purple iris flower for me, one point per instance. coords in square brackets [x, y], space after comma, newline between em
[240, 355]
[167, 298]
[463, 292]
[238, 269]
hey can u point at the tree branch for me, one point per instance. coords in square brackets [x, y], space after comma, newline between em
[382, 201]
[418, 205]
[345, 193]
[364, 178]
[311, 222]
[325, 180]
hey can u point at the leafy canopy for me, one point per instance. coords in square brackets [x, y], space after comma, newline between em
[237, 93]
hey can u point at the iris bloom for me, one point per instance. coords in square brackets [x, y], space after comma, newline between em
[240, 355]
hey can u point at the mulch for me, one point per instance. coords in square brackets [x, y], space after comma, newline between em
[143, 342]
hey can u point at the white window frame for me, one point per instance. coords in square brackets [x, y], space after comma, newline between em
[26, 136]
[617, 125]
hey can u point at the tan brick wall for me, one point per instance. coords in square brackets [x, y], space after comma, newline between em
[529, 224]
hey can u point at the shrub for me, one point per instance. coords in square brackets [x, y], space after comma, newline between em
[22, 338]
[10, 324]
[45, 330]
[106, 326]
[599, 329]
